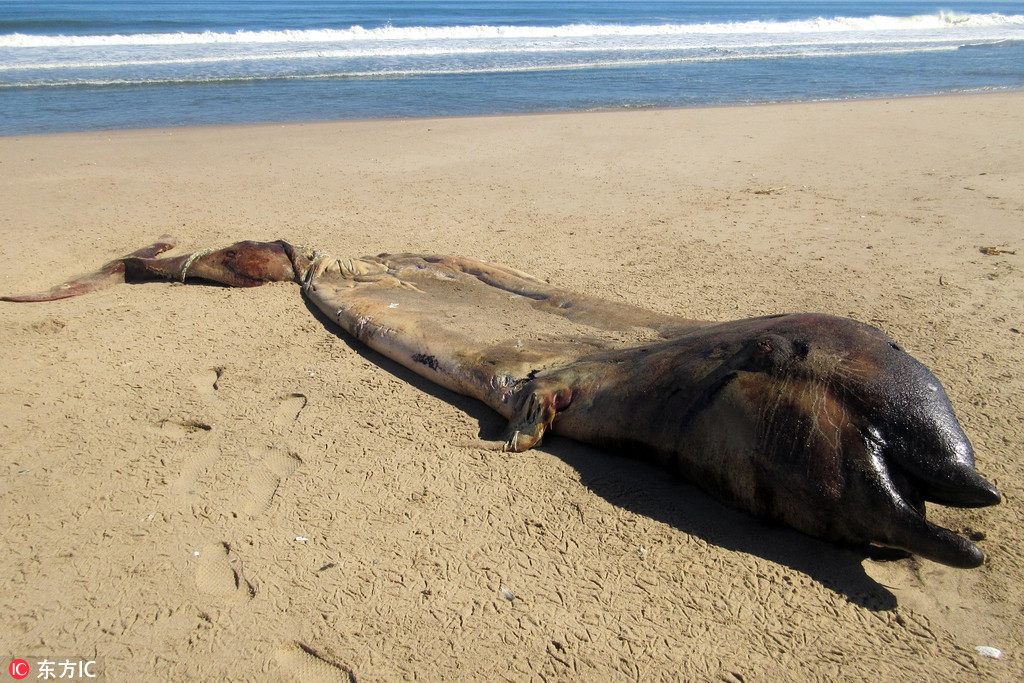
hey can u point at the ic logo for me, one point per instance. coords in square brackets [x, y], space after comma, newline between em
[18, 668]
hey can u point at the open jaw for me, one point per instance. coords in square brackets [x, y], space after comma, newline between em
[907, 527]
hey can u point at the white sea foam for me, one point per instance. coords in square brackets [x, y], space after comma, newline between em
[400, 71]
[395, 51]
[943, 21]
[741, 50]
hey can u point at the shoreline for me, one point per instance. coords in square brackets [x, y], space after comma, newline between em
[609, 110]
[141, 425]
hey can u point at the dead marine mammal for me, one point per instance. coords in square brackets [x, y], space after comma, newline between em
[820, 422]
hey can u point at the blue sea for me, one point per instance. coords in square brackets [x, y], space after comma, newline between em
[100, 64]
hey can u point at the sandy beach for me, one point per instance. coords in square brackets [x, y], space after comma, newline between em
[202, 483]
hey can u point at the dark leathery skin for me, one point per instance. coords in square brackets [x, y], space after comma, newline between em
[820, 422]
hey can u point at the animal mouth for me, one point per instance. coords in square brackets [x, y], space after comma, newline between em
[901, 485]
[905, 526]
[905, 488]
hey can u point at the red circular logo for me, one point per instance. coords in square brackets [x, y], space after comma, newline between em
[19, 669]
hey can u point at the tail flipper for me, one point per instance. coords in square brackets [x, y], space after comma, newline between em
[109, 275]
[243, 264]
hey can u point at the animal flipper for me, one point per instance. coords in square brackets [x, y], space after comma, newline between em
[537, 404]
[111, 274]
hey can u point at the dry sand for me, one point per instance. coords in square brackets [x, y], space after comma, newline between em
[206, 483]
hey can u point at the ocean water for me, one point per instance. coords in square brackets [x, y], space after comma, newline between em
[102, 64]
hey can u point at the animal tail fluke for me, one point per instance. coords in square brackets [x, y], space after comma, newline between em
[243, 264]
[113, 273]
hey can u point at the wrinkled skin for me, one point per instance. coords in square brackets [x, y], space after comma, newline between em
[819, 422]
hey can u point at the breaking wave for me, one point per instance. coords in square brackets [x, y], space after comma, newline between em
[942, 21]
[203, 57]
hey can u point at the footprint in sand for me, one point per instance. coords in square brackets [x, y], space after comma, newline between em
[276, 465]
[219, 572]
[301, 664]
[288, 409]
[193, 468]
